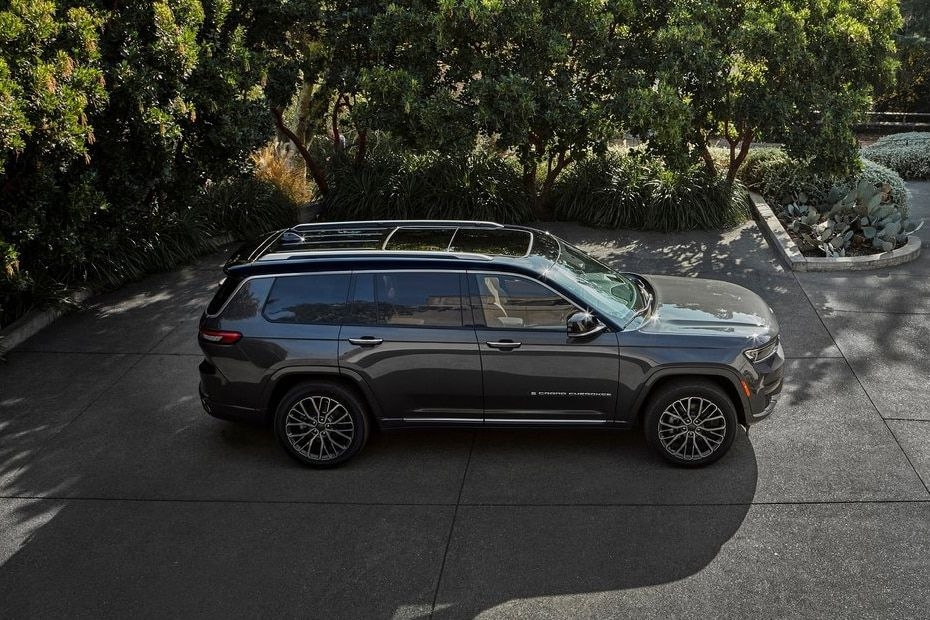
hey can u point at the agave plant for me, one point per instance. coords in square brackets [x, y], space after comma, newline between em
[860, 212]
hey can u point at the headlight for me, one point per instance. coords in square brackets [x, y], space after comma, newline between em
[761, 353]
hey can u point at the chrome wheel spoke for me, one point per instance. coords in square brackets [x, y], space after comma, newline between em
[320, 428]
[686, 421]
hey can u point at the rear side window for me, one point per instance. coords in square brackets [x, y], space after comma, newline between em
[227, 286]
[308, 299]
[423, 299]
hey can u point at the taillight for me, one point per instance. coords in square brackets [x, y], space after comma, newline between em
[217, 336]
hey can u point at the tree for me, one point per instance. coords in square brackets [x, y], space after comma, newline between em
[911, 92]
[543, 80]
[51, 83]
[796, 71]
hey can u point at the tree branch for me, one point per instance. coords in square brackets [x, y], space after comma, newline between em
[319, 177]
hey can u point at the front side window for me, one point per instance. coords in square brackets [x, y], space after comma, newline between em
[308, 299]
[423, 299]
[596, 284]
[517, 302]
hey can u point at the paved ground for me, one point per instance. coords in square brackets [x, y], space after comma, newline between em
[119, 497]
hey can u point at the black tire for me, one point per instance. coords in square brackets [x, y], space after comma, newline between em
[321, 424]
[690, 433]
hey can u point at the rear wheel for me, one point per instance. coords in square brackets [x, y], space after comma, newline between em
[321, 424]
[691, 423]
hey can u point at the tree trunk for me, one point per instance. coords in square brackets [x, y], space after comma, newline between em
[709, 163]
[304, 103]
[362, 146]
[737, 161]
[545, 210]
[316, 171]
[540, 212]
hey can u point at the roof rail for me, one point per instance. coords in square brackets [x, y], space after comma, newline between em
[396, 224]
[317, 254]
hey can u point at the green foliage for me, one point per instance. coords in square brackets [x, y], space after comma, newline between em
[781, 180]
[908, 154]
[427, 186]
[543, 80]
[911, 91]
[112, 124]
[797, 72]
[633, 190]
[610, 191]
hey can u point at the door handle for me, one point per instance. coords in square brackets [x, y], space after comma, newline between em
[366, 341]
[506, 345]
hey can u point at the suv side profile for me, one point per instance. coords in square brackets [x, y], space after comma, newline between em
[328, 330]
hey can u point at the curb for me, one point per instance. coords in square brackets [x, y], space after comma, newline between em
[786, 248]
[34, 321]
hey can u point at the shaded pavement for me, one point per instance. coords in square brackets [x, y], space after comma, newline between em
[118, 496]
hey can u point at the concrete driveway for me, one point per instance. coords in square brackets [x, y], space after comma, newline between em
[119, 497]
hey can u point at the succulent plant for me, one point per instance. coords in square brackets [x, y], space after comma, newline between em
[862, 211]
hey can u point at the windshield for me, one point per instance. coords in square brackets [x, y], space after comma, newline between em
[599, 286]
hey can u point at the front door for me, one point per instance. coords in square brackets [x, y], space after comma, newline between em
[533, 372]
[408, 337]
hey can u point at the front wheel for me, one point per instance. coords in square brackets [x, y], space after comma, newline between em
[691, 423]
[321, 424]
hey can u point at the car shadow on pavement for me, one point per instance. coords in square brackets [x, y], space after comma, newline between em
[238, 528]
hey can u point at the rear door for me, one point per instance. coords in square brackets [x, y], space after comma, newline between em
[533, 372]
[409, 335]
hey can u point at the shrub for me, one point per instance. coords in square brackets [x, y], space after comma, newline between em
[477, 186]
[607, 192]
[782, 180]
[633, 190]
[779, 178]
[247, 206]
[694, 199]
[908, 154]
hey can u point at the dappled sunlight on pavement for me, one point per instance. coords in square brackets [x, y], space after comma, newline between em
[117, 492]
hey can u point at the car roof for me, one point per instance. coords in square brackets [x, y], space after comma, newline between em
[397, 244]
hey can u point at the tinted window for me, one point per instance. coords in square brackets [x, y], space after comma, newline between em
[363, 309]
[515, 302]
[227, 286]
[420, 239]
[317, 298]
[421, 299]
[495, 242]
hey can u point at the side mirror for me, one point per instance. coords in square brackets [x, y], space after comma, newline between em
[583, 324]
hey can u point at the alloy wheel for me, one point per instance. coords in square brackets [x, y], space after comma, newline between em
[320, 428]
[692, 428]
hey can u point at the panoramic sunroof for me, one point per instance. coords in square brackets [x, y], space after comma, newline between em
[494, 242]
[420, 239]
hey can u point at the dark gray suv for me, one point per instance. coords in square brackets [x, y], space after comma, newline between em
[328, 330]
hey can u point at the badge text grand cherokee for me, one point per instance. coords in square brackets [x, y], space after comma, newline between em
[326, 330]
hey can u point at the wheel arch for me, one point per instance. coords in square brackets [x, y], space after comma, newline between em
[726, 379]
[283, 381]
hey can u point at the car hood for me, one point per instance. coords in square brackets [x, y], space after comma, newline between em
[696, 306]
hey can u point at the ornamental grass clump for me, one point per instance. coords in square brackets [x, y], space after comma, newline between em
[908, 154]
[635, 190]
